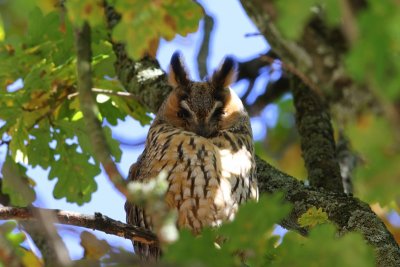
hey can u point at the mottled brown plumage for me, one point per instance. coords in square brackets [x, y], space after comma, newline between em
[201, 137]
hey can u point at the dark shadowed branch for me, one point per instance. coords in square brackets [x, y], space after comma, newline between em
[95, 222]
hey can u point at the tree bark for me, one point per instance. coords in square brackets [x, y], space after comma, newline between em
[97, 221]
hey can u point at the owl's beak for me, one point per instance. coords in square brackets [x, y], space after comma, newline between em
[203, 130]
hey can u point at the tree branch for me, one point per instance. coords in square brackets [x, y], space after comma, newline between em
[315, 129]
[347, 212]
[95, 222]
[208, 25]
[89, 107]
[316, 135]
[319, 54]
[106, 92]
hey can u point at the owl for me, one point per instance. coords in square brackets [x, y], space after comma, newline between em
[201, 138]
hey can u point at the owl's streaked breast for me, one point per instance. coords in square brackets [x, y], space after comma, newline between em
[208, 178]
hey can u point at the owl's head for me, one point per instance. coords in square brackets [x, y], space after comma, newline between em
[204, 108]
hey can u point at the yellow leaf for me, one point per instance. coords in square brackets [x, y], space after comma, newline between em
[312, 217]
[2, 32]
[77, 116]
[47, 6]
[292, 162]
[94, 248]
[30, 259]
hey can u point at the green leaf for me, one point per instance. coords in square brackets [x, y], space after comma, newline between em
[323, 248]
[80, 11]
[254, 236]
[77, 128]
[312, 217]
[16, 184]
[374, 179]
[47, 6]
[103, 62]
[113, 144]
[7, 230]
[75, 174]
[143, 23]
[293, 15]
[39, 145]
[202, 251]
[132, 108]
[19, 136]
[374, 58]
[110, 111]
[332, 10]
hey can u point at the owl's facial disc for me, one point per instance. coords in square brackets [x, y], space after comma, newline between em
[204, 123]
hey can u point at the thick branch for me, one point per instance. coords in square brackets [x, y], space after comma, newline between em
[347, 212]
[315, 129]
[96, 222]
[89, 107]
[316, 135]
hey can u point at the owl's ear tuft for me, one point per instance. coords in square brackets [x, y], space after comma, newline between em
[177, 71]
[225, 75]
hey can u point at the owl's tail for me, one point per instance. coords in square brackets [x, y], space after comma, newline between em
[147, 253]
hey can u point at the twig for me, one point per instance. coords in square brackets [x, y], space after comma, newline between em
[89, 107]
[4, 142]
[349, 23]
[273, 92]
[107, 92]
[205, 44]
[96, 222]
[252, 34]
[291, 69]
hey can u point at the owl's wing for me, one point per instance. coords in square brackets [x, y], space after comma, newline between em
[136, 215]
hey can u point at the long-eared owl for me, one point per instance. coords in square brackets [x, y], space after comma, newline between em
[201, 137]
